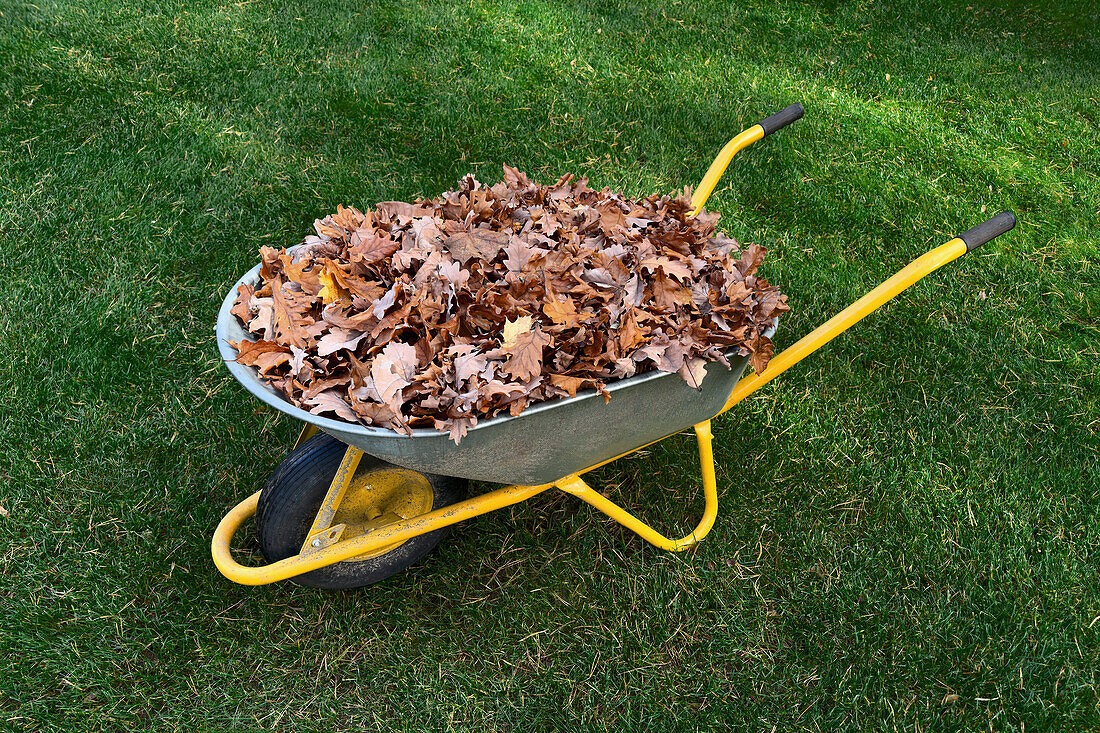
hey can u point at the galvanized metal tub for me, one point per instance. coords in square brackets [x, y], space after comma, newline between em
[546, 442]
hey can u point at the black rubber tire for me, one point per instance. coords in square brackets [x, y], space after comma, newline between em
[293, 494]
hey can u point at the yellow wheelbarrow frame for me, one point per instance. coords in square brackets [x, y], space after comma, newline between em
[324, 545]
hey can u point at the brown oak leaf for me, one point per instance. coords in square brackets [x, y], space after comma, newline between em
[393, 370]
[331, 401]
[291, 314]
[671, 267]
[304, 273]
[513, 329]
[562, 312]
[468, 362]
[669, 294]
[332, 291]
[517, 254]
[569, 384]
[241, 308]
[395, 209]
[693, 371]
[250, 352]
[630, 333]
[368, 247]
[514, 179]
[526, 353]
[481, 244]
[263, 323]
[338, 338]
[751, 259]
[762, 350]
[456, 427]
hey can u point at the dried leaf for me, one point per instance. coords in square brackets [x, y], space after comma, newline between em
[672, 268]
[469, 365]
[630, 333]
[289, 320]
[395, 209]
[241, 308]
[249, 351]
[526, 352]
[456, 427]
[693, 371]
[514, 179]
[303, 273]
[368, 247]
[562, 312]
[517, 254]
[331, 290]
[481, 244]
[751, 258]
[263, 323]
[762, 351]
[270, 262]
[339, 338]
[668, 294]
[393, 370]
[331, 401]
[514, 329]
[569, 384]
[383, 304]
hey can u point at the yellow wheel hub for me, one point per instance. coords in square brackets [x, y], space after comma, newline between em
[377, 498]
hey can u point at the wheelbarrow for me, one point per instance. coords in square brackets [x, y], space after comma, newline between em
[352, 505]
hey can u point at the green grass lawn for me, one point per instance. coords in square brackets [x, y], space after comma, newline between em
[910, 528]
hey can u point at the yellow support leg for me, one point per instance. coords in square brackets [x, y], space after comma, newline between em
[405, 529]
[331, 502]
[308, 431]
[578, 488]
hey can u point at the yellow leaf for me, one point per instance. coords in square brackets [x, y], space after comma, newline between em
[513, 329]
[331, 292]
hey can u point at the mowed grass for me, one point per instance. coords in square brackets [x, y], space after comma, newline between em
[908, 537]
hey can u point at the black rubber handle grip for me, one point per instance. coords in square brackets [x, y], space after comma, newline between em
[782, 118]
[988, 230]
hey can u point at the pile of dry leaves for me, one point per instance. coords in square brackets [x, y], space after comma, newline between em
[486, 299]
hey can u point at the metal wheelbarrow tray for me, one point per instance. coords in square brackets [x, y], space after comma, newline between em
[547, 441]
[365, 527]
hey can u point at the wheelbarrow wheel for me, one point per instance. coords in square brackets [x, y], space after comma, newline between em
[379, 493]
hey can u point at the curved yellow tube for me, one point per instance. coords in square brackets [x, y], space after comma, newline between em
[389, 534]
[718, 167]
[408, 528]
[578, 488]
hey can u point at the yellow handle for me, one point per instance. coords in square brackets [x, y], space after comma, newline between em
[848, 317]
[718, 167]
[872, 301]
[766, 126]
